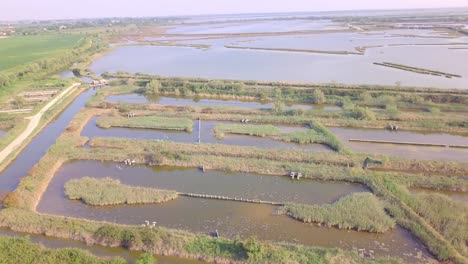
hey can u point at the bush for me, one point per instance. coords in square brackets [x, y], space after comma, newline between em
[254, 249]
[362, 113]
[146, 258]
[318, 97]
[153, 87]
[365, 96]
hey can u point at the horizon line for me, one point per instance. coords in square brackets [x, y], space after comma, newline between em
[242, 13]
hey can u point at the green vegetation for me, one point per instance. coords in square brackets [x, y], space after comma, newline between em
[184, 244]
[146, 258]
[110, 192]
[21, 250]
[19, 50]
[445, 215]
[359, 211]
[403, 106]
[317, 134]
[247, 129]
[152, 122]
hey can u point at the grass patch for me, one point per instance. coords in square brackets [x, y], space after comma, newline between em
[358, 211]
[317, 134]
[109, 191]
[151, 122]
[21, 250]
[246, 129]
[446, 216]
[19, 50]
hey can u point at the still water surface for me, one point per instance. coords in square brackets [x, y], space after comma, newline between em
[232, 219]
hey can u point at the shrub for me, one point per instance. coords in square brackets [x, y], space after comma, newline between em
[153, 87]
[318, 97]
[146, 258]
[362, 113]
[255, 250]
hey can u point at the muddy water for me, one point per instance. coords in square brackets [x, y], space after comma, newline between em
[405, 151]
[100, 251]
[231, 219]
[2, 133]
[187, 101]
[188, 180]
[457, 196]
[207, 136]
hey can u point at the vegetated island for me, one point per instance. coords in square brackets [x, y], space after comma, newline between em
[109, 191]
[357, 211]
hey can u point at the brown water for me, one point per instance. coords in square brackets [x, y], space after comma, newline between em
[100, 251]
[404, 151]
[231, 219]
[207, 136]
[188, 101]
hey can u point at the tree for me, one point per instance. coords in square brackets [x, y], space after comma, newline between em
[318, 97]
[153, 87]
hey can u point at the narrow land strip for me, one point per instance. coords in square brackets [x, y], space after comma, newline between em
[33, 123]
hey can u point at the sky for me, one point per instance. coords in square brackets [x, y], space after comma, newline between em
[64, 9]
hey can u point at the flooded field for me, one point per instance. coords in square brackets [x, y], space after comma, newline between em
[404, 151]
[203, 102]
[283, 66]
[230, 218]
[129, 256]
[207, 136]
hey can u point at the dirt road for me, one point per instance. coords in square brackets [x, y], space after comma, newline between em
[33, 123]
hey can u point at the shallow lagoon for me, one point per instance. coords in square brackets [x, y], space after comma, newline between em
[222, 63]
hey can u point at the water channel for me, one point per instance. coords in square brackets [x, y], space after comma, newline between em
[405, 151]
[232, 219]
[202, 102]
[91, 130]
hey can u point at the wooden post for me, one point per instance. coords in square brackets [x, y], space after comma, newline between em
[199, 130]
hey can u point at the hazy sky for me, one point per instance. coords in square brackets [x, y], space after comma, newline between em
[54, 9]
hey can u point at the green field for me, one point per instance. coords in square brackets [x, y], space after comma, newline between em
[19, 50]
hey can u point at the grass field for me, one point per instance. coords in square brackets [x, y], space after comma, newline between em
[19, 50]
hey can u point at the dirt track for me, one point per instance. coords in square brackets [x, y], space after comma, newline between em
[33, 123]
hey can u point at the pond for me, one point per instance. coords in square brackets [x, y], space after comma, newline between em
[404, 151]
[205, 102]
[231, 219]
[91, 130]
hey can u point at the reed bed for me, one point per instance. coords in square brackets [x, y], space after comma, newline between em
[150, 122]
[357, 211]
[109, 191]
